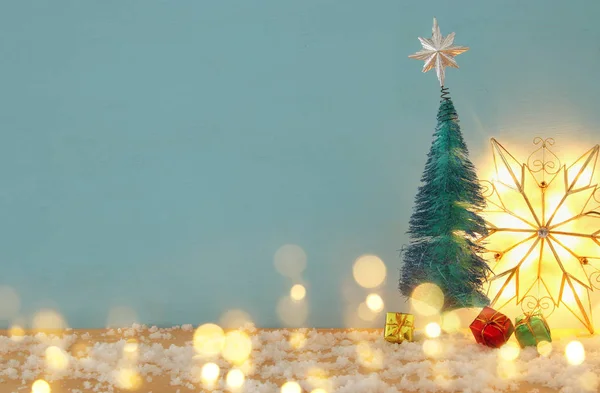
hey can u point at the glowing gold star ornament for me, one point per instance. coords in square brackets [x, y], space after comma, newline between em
[544, 221]
[438, 52]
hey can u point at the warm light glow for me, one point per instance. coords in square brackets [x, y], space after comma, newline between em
[374, 302]
[128, 379]
[56, 358]
[48, 319]
[433, 330]
[544, 348]
[291, 387]
[541, 232]
[318, 390]
[297, 340]
[235, 378]
[17, 333]
[369, 271]
[40, 386]
[298, 292]
[575, 353]
[427, 299]
[432, 348]
[234, 319]
[210, 373]
[130, 350]
[291, 312]
[369, 357]
[237, 347]
[209, 339]
[507, 370]
[509, 351]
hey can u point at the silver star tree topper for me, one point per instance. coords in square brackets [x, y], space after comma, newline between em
[438, 52]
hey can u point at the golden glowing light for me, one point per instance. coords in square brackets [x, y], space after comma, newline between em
[291, 387]
[297, 340]
[589, 381]
[298, 292]
[369, 271]
[544, 348]
[369, 357]
[432, 348]
[433, 330]
[48, 319]
[575, 353]
[451, 322]
[290, 260]
[16, 333]
[317, 379]
[210, 373]
[427, 299]
[235, 378]
[128, 379]
[209, 339]
[40, 386]
[121, 317]
[507, 370]
[56, 358]
[318, 390]
[544, 238]
[234, 319]
[509, 351]
[237, 347]
[374, 302]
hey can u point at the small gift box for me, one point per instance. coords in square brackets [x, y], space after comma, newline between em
[398, 327]
[531, 329]
[492, 328]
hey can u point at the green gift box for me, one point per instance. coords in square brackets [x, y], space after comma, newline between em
[531, 329]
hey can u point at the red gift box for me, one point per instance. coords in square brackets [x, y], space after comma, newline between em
[491, 328]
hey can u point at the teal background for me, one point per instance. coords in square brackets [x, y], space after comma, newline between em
[155, 154]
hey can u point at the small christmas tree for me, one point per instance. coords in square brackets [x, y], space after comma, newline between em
[445, 223]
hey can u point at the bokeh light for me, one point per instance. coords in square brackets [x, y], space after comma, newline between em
[121, 317]
[369, 357]
[16, 333]
[10, 303]
[237, 347]
[209, 339]
[290, 260]
[234, 319]
[451, 322]
[509, 351]
[433, 330]
[235, 378]
[297, 340]
[374, 302]
[40, 386]
[507, 370]
[210, 373]
[544, 348]
[128, 379]
[365, 313]
[291, 387]
[48, 319]
[56, 358]
[298, 292]
[432, 348]
[130, 350]
[427, 299]
[317, 378]
[318, 390]
[575, 353]
[369, 271]
[292, 313]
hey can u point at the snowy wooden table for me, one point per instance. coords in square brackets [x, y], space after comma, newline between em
[344, 361]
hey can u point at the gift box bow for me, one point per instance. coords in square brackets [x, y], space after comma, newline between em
[398, 322]
[494, 320]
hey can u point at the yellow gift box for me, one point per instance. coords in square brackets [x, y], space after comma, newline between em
[398, 327]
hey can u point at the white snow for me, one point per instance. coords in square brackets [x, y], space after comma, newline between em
[338, 361]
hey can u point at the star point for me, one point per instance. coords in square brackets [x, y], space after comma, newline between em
[438, 52]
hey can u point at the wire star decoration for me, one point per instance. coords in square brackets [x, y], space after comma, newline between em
[544, 221]
[438, 52]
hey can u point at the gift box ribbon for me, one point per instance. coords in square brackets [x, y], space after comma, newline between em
[401, 321]
[491, 322]
[527, 320]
